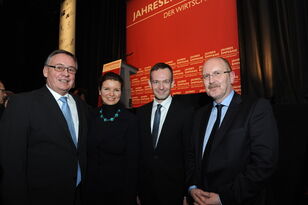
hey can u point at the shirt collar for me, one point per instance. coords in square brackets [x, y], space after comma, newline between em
[164, 103]
[57, 95]
[226, 102]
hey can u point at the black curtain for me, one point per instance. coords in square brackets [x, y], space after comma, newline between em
[29, 32]
[273, 40]
[100, 38]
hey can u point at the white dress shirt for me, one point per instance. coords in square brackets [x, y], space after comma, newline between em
[164, 110]
[72, 105]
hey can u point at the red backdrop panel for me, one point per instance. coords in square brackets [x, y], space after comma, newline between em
[183, 34]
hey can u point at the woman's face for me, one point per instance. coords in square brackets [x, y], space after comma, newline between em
[110, 92]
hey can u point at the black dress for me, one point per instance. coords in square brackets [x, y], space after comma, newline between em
[113, 148]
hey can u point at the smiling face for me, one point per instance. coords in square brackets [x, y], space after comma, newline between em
[218, 87]
[110, 92]
[60, 81]
[161, 83]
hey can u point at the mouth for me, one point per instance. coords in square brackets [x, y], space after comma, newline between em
[213, 86]
[64, 80]
[161, 91]
[111, 99]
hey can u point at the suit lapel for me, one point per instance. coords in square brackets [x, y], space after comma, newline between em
[147, 118]
[232, 112]
[82, 121]
[167, 123]
[56, 113]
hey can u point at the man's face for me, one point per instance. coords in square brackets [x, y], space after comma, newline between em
[2, 93]
[218, 84]
[161, 84]
[60, 81]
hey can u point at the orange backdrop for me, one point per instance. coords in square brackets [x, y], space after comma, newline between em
[183, 34]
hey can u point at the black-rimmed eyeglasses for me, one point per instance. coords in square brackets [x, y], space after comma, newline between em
[215, 74]
[61, 68]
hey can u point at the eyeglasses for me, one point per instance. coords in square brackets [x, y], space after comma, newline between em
[157, 82]
[216, 74]
[60, 68]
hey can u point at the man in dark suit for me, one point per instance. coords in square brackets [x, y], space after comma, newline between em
[234, 164]
[3, 96]
[43, 154]
[164, 147]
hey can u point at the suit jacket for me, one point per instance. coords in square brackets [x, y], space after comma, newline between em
[38, 157]
[243, 155]
[163, 169]
[1, 110]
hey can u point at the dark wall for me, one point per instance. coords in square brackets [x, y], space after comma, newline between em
[291, 179]
[29, 32]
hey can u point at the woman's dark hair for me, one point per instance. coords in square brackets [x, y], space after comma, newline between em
[109, 76]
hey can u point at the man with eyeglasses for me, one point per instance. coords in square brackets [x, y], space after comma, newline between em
[43, 140]
[235, 141]
[165, 126]
[3, 96]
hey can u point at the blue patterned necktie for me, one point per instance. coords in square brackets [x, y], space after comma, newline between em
[68, 116]
[156, 124]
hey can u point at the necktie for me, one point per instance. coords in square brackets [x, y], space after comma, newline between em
[210, 140]
[68, 116]
[156, 124]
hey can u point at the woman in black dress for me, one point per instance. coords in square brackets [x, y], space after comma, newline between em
[112, 148]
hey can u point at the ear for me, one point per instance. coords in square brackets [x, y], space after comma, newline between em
[172, 83]
[232, 76]
[150, 84]
[45, 72]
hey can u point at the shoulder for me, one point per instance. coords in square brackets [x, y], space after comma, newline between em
[178, 106]
[253, 105]
[23, 104]
[129, 113]
[254, 101]
[198, 113]
[24, 97]
[144, 108]
[93, 111]
[83, 105]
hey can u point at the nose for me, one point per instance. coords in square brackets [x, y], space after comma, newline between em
[65, 72]
[161, 85]
[211, 78]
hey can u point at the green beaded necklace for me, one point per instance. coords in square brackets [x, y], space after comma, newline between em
[116, 115]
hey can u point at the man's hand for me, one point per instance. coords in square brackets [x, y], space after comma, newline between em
[204, 198]
[199, 196]
[185, 201]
